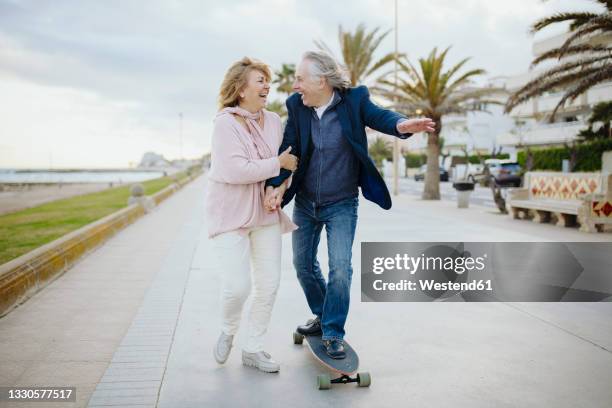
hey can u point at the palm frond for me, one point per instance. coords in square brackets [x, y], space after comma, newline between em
[381, 63]
[542, 84]
[587, 82]
[606, 3]
[433, 89]
[592, 26]
[561, 17]
[588, 41]
[557, 53]
[357, 51]
[463, 80]
[581, 63]
[409, 69]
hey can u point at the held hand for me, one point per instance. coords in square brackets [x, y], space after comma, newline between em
[270, 199]
[416, 125]
[287, 160]
[274, 197]
[279, 196]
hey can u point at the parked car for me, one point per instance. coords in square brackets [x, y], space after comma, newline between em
[470, 172]
[505, 172]
[420, 174]
[475, 172]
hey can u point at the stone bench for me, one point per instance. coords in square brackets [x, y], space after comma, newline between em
[566, 198]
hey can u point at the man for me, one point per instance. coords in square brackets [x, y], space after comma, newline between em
[326, 130]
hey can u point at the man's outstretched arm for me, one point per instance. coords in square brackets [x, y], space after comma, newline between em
[392, 123]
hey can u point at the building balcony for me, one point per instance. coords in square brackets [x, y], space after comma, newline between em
[545, 104]
[543, 135]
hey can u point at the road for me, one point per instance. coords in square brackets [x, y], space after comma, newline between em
[480, 195]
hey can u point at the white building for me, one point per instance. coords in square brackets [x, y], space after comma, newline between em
[531, 119]
[527, 125]
[475, 131]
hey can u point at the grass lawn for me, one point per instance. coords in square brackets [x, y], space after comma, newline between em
[26, 230]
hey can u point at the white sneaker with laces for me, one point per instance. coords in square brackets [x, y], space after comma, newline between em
[223, 347]
[260, 360]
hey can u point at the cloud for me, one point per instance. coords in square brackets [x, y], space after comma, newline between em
[137, 63]
[77, 128]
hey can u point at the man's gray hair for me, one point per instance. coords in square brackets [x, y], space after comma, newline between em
[324, 65]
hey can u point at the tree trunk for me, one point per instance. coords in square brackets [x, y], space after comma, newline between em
[432, 175]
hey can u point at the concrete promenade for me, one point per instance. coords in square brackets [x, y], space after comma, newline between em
[133, 324]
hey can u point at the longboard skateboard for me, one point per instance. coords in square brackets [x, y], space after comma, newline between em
[345, 367]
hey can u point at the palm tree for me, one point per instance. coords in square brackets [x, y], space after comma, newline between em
[441, 142]
[277, 107]
[284, 84]
[380, 150]
[285, 78]
[588, 62]
[599, 123]
[358, 52]
[435, 92]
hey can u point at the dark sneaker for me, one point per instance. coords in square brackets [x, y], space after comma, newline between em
[311, 328]
[335, 349]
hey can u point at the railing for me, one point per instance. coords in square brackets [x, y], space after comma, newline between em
[551, 133]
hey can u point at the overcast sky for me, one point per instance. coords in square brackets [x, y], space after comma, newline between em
[92, 84]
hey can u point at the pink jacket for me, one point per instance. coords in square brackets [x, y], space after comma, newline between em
[238, 172]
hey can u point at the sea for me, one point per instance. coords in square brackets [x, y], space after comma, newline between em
[25, 176]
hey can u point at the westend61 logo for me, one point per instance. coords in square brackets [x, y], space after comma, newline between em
[485, 271]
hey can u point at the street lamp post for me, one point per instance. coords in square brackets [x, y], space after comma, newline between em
[181, 134]
[395, 140]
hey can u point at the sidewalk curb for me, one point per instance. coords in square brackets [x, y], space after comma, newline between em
[26, 275]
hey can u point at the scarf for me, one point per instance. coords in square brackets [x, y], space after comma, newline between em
[252, 121]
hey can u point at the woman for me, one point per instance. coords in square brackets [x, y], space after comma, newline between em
[245, 143]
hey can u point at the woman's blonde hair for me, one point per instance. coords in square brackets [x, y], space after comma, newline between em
[235, 80]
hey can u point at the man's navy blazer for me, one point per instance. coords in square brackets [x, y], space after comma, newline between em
[355, 112]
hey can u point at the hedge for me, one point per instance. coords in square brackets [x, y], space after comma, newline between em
[588, 156]
[417, 160]
[475, 160]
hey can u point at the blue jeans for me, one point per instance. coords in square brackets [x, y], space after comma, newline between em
[328, 300]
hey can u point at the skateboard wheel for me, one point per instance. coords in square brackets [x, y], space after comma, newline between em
[298, 338]
[364, 379]
[324, 381]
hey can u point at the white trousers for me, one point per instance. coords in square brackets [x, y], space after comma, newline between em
[243, 259]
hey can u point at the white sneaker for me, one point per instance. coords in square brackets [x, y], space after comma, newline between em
[260, 360]
[223, 348]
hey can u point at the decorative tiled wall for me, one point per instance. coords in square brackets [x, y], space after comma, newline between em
[563, 186]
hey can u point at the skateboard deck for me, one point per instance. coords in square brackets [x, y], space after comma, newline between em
[345, 367]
